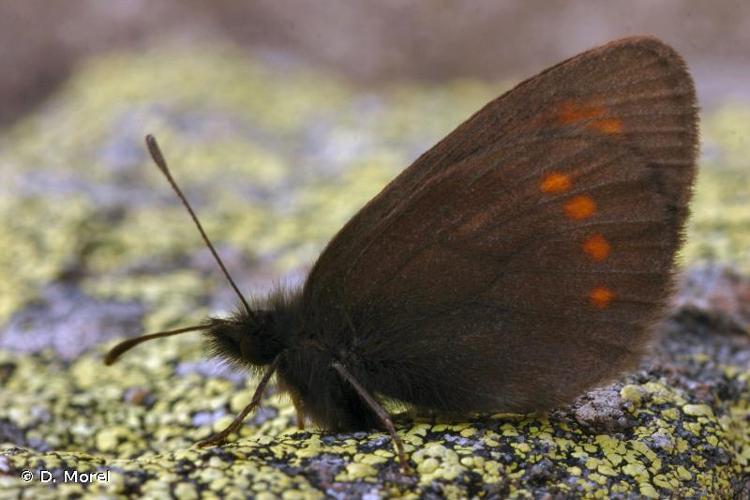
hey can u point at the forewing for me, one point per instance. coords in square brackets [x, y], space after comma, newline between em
[527, 253]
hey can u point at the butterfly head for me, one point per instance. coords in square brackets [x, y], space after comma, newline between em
[243, 339]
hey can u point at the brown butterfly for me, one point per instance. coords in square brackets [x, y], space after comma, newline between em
[519, 262]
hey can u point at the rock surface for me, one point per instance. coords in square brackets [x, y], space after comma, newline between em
[275, 158]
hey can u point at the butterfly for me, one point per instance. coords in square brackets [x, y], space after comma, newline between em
[522, 260]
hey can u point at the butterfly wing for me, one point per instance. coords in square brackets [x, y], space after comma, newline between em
[523, 258]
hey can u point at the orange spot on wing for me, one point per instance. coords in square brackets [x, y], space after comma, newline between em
[609, 126]
[580, 207]
[555, 182]
[570, 112]
[601, 297]
[597, 247]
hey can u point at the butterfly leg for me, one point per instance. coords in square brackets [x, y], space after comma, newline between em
[379, 411]
[221, 437]
[300, 412]
[430, 415]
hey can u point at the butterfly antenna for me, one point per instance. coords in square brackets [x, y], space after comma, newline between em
[126, 345]
[158, 157]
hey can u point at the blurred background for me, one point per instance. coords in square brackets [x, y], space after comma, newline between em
[280, 119]
[369, 43]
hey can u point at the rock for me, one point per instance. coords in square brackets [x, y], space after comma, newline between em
[107, 251]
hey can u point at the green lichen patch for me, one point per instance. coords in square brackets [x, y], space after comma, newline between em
[720, 223]
[39, 242]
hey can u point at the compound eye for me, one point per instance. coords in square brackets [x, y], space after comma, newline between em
[251, 349]
[246, 349]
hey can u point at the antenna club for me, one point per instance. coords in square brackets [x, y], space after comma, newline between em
[156, 154]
